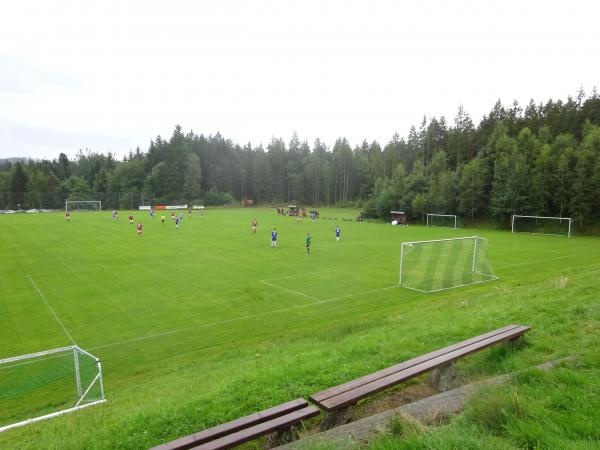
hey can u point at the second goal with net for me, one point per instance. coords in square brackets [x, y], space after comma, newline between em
[437, 265]
[442, 220]
[552, 226]
[83, 205]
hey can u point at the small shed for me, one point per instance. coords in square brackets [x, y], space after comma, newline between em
[399, 218]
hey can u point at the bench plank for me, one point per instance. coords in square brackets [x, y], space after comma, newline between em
[352, 396]
[331, 392]
[262, 429]
[195, 439]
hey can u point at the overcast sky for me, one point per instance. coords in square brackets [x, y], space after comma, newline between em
[112, 75]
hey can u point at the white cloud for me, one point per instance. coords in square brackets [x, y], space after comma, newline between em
[112, 75]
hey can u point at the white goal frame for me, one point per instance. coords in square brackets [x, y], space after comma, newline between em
[512, 224]
[412, 243]
[82, 391]
[443, 215]
[68, 202]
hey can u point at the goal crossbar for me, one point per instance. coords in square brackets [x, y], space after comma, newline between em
[442, 240]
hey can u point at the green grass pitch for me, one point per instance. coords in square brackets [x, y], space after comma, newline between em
[207, 322]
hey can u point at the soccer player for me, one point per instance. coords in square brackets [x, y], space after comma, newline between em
[274, 237]
[139, 229]
[308, 239]
[337, 233]
[114, 214]
[177, 223]
[189, 212]
[68, 217]
[130, 220]
[172, 216]
[181, 216]
[254, 224]
[162, 219]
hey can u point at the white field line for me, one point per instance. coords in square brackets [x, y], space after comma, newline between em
[236, 319]
[360, 293]
[314, 299]
[43, 297]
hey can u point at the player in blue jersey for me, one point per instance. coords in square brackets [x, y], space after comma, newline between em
[337, 233]
[274, 238]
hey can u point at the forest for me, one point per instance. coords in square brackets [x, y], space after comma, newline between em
[543, 159]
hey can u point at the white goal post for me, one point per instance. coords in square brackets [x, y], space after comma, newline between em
[442, 220]
[47, 384]
[550, 226]
[437, 265]
[71, 203]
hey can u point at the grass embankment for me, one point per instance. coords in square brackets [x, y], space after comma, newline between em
[203, 324]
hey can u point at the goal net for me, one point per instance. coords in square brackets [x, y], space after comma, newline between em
[553, 226]
[46, 384]
[83, 205]
[442, 220]
[430, 266]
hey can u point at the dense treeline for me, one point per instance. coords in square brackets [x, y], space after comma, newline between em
[543, 159]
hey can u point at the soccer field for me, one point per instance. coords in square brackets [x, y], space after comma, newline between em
[181, 316]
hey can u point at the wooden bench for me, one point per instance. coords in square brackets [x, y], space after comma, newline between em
[338, 401]
[279, 420]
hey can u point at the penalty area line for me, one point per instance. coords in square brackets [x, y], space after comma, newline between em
[359, 293]
[236, 319]
[43, 297]
[314, 299]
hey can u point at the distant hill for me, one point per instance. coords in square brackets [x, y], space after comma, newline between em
[8, 161]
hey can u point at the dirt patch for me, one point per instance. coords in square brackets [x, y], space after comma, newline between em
[394, 398]
[561, 282]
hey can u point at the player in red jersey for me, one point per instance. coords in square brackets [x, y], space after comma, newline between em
[254, 224]
[139, 229]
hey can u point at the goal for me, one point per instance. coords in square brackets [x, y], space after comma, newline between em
[442, 220]
[551, 226]
[431, 266]
[47, 384]
[83, 205]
